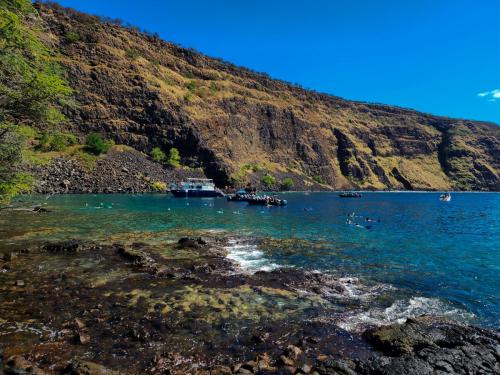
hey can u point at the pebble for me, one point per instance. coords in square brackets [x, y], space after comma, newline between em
[84, 338]
[79, 323]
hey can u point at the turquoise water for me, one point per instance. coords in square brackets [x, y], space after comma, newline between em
[446, 252]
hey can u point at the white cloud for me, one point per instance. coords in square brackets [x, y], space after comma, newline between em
[492, 95]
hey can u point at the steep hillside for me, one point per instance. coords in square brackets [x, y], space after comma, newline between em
[239, 125]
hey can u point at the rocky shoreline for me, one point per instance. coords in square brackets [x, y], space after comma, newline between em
[126, 171]
[129, 307]
[123, 171]
[130, 172]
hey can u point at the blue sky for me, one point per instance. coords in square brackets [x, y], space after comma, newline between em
[437, 56]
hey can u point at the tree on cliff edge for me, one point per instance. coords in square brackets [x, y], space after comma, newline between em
[32, 89]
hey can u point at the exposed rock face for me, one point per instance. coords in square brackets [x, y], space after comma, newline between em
[144, 92]
[425, 345]
[430, 346]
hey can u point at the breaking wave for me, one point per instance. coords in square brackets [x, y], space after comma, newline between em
[248, 256]
[399, 311]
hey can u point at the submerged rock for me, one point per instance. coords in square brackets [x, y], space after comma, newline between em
[139, 258]
[71, 246]
[191, 242]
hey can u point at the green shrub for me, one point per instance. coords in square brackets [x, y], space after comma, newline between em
[213, 87]
[268, 180]
[132, 54]
[71, 139]
[95, 144]
[287, 184]
[27, 132]
[155, 62]
[188, 97]
[158, 155]
[174, 158]
[319, 179]
[251, 167]
[56, 141]
[20, 183]
[159, 186]
[191, 85]
[72, 37]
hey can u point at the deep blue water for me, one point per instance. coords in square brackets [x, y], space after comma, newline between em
[448, 251]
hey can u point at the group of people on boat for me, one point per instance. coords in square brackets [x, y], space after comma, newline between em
[350, 194]
[254, 199]
[267, 200]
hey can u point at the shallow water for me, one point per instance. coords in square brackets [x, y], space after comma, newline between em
[439, 257]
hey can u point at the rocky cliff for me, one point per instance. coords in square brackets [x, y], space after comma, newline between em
[239, 125]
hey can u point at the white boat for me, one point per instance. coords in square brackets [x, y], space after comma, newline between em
[196, 187]
[446, 197]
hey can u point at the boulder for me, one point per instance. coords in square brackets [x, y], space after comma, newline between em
[429, 345]
[17, 365]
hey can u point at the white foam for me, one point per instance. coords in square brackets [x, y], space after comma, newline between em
[21, 327]
[248, 256]
[352, 289]
[399, 311]
[215, 230]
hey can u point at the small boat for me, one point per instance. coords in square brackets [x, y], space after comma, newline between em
[240, 196]
[266, 200]
[195, 188]
[350, 194]
[446, 197]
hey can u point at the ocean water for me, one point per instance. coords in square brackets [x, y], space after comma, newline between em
[426, 256]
